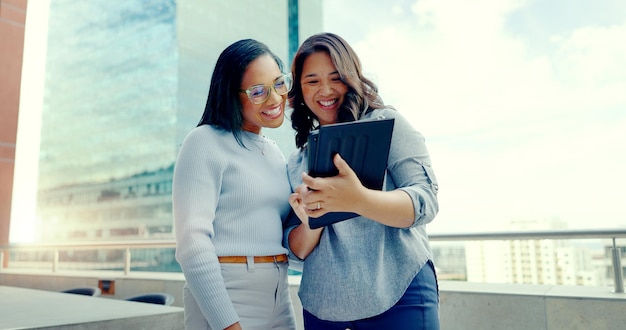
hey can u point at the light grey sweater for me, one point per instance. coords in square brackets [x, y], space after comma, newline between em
[227, 201]
[361, 268]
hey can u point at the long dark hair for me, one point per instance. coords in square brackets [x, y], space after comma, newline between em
[362, 96]
[223, 105]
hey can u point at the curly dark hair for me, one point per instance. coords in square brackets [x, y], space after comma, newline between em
[361, 98]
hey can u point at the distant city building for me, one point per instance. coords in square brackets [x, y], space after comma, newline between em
[125, 82]
[449, 259]
[535, 261]
[139, 206]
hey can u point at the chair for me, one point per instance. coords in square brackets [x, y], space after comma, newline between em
[85, 291]
[159, 298]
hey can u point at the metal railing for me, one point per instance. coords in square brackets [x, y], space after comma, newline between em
[616, 261]
[126, 246]
[484, 236]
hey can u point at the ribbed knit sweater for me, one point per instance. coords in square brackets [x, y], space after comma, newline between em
[227, 201]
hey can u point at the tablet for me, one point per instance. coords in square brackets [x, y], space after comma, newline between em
[363, 144]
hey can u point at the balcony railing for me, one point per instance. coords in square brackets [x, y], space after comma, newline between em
[127, 246]
[616, 262]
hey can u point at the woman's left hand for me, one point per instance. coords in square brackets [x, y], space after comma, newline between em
[340, 193]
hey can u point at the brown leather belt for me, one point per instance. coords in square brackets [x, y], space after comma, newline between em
[281, 258]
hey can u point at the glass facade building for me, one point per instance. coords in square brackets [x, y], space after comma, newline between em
[125, 81]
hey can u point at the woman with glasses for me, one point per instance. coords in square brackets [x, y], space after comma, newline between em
[373, 271]
[230, 197]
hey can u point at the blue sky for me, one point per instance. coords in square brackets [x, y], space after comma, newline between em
[523, 103]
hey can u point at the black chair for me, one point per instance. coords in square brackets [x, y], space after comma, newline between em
[85, 291]
[159, 298]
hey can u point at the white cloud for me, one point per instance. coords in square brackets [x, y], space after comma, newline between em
[593, 56]
[513, 132]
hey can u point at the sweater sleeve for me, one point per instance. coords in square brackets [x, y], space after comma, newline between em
[195, 192]
[295, 167]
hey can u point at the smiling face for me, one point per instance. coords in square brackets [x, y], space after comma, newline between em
[322, 89]
[262, 71]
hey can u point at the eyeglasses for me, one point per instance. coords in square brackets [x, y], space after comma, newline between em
[260, 93]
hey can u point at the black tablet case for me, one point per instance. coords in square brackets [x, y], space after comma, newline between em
[363, 144]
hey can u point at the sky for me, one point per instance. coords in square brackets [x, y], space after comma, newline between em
[522, 103]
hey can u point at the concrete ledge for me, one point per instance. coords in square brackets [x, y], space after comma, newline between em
[463, 305]
[125, 285]
[518, 306]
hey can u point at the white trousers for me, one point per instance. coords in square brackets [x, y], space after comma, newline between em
[259, 293]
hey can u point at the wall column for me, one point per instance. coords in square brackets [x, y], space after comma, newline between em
[12, 23]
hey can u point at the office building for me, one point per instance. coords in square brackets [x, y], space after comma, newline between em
[124, 83]
[535, 261]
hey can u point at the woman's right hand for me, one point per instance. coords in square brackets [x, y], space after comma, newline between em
[302, 239]
[295, 200]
